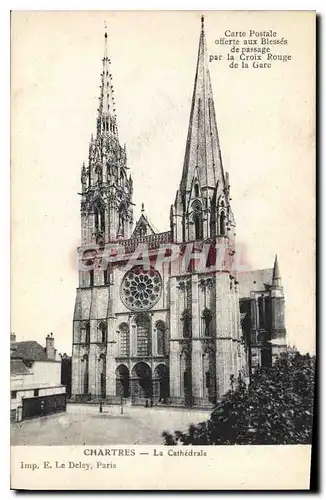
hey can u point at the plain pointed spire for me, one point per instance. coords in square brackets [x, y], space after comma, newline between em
[202, 148]
[276, 273]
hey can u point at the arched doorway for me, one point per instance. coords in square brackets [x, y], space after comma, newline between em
[160, 338]
[122, 381]
[161, 385]
[141, 387]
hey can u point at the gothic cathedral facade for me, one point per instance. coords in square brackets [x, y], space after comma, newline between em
[167, 333]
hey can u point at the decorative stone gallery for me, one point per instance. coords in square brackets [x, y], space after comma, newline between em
[167, 332]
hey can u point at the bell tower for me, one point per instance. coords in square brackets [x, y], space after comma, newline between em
[202, 205]
[106, 195]
[206, 347]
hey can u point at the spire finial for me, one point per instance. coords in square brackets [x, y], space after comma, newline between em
[106, 121]
[202, 23]
[142, 208]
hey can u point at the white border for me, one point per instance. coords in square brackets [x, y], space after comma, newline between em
[5, 8]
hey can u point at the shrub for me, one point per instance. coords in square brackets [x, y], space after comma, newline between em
[276, 408]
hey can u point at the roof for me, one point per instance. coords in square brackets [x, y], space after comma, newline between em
[36, 385]
[147, 226]
[254, 281]
[29, 350]
[17, 367]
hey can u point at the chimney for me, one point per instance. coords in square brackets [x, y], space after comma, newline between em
[49, 346]
[12, 342]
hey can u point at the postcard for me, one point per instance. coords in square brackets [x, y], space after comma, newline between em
[163, 250]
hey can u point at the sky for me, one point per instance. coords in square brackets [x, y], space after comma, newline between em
[266, 125]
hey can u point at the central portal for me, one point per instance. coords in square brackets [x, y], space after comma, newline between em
[141, 383]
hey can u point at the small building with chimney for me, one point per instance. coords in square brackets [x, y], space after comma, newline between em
[35, 379]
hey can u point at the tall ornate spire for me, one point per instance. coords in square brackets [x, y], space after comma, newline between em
[107, 120]
[106, 204]
[202, 155]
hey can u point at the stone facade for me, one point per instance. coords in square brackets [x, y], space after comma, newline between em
[157, 329]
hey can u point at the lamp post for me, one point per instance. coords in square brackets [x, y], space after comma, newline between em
[101, 402]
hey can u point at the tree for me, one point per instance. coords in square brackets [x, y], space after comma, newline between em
[66, 364]
[276, 408]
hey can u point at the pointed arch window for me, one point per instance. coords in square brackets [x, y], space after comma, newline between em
[196, 190]
[107, 274]
[87, 332]
[121, 225]
[207, 322]
[268, 313]
[222, 223]
[122, 177]
[102, 219]
[160, 336]
[99, 173]
[122, 219]
[186, 325]
[185, 374]
[209, 375]
[99, 210]
[103, 332]
[96, 219]
[197, 219]
[123, 340]
[261, 310]
[143, 335]
[85, 374]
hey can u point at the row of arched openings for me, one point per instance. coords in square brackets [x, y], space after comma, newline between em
[142, 383]
[208, 375]
[206, 323]
[101, 371]
[108, 126]
[143, 334]
[86, 332]
[197, 219]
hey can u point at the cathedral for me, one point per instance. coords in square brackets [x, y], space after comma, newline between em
[149, 329]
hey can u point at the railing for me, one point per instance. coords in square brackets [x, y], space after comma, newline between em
[151, 241]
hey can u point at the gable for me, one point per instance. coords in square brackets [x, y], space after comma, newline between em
[143, 228]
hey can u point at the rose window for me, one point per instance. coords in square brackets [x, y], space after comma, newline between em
[141, 288]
